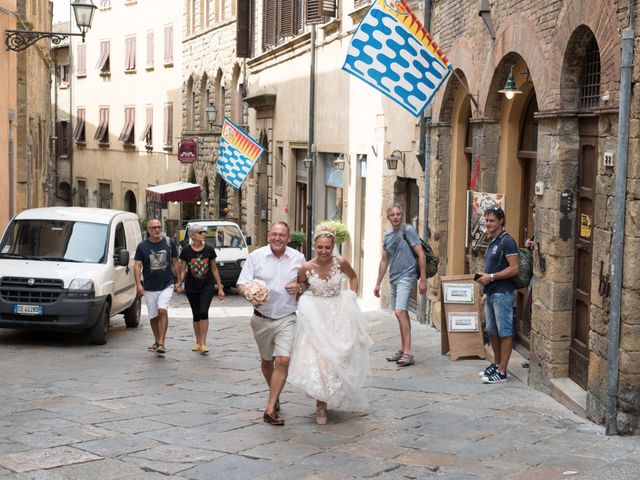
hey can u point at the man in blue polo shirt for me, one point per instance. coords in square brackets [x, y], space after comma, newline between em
[500, 266]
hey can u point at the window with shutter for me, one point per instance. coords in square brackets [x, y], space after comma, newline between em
[269, 23]
[168, 126]
[130, 54]
[168, 45]
[81, 70]
[319, 11]
[102, 132]
[285, 18]
[103, 65]
[149, 49]
[127, 135]
[147, 132]
[244, 29]
[78, 132]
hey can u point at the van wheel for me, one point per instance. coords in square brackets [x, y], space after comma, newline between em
[100, 330]
[132, 314]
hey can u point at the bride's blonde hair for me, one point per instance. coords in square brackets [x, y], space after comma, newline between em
[324, 230]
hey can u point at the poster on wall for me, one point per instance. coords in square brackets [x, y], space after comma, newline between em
[477, 203]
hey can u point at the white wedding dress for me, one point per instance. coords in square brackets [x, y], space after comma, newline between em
[330, 357]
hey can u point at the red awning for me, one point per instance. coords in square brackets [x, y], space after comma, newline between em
[174, 192]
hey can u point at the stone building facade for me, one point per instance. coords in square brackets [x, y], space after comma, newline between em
[33, 156]
[126, 96]
[8, 108]
[213, 77]
[551, 151]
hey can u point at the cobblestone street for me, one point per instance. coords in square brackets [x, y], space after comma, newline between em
[76, 411]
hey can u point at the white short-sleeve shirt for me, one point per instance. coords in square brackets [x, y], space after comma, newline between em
[276, 272]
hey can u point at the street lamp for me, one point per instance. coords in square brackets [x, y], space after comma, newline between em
[211, 112]
[341, 160]
[510, 89]
[392, 160]
[19, 40]
[308, 162]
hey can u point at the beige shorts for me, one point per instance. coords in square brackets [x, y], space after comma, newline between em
[158, 301]
[274, 337]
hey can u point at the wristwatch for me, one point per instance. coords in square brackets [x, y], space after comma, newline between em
[491, 275]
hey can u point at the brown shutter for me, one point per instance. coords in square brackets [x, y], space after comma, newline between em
[130, 56]
[286, 18]
[269, 23]
[82, 59]
[59, 139]
[319, 10]
[243, 28]
[168, 44]
[168, 125]
[150, 48]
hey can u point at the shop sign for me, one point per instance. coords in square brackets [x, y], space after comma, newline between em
[187, 150]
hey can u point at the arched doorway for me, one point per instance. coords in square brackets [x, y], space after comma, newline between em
[581, 91]
[64, 193]
[130, 202]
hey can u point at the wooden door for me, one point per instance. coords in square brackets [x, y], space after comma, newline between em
[585, 206]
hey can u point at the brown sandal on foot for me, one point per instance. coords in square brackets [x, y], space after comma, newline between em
[405, 360]
[395, 357]
[321, 416]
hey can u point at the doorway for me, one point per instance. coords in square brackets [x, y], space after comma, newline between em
[585, 206]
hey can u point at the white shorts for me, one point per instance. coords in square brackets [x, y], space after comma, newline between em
[158, 301]
[274, 337]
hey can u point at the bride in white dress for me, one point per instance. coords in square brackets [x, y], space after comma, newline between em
[330, 357]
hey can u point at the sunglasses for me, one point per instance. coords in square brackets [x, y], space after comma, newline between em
[201, 231]
[154, 227]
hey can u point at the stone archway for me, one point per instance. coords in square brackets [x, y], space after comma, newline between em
[130, 202]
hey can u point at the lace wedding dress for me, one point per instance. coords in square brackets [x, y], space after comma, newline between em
[330, 357]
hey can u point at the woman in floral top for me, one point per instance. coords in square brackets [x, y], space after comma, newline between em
[198, 272]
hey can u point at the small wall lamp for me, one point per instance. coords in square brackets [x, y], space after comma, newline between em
[308, 162]
[510, 89]
[392, 160]
[211, 112]
[341, 160]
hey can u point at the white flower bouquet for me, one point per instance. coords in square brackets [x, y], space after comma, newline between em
[256, 292]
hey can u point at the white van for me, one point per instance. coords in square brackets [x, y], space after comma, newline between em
[230, 245]
[69, 269]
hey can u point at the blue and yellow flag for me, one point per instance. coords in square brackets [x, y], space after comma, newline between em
[237, 155]
[393, 52]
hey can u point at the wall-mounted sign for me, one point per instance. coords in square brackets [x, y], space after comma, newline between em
[585, 226]
[187, 150]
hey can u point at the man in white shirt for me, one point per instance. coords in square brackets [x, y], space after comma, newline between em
[273, 322]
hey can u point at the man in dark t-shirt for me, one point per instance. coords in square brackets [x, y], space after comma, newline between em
[156, 260]
[500, 266]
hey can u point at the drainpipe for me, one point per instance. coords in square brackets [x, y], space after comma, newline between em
[617, 244]
[424, 309]
[311, 181]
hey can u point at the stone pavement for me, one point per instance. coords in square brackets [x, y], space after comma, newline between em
[75, 411]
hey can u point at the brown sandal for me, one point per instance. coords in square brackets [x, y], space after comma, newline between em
[405, 360]
[395, 357]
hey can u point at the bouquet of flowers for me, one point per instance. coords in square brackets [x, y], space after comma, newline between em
[256, 292]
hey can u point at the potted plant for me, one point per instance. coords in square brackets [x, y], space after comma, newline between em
[297, 239]
[340, 228]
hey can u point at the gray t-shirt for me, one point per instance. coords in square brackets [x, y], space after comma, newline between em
[402, 262]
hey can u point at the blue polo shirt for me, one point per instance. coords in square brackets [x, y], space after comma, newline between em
[493, 263]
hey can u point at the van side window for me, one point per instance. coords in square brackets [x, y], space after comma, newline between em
[120, 239]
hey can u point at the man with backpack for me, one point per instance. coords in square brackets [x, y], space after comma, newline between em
[400, 249]
[501, 265]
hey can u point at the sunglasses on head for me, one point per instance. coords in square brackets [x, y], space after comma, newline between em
[497, 211]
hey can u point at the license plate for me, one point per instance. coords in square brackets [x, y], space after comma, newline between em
[27, 309]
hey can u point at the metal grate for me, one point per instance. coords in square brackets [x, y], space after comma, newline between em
[18, 290]
[590, 91]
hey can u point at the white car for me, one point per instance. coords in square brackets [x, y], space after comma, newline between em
[230, 245]
[69, 269]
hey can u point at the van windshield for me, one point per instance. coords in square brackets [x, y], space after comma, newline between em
[224, 236]
[55, 240]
